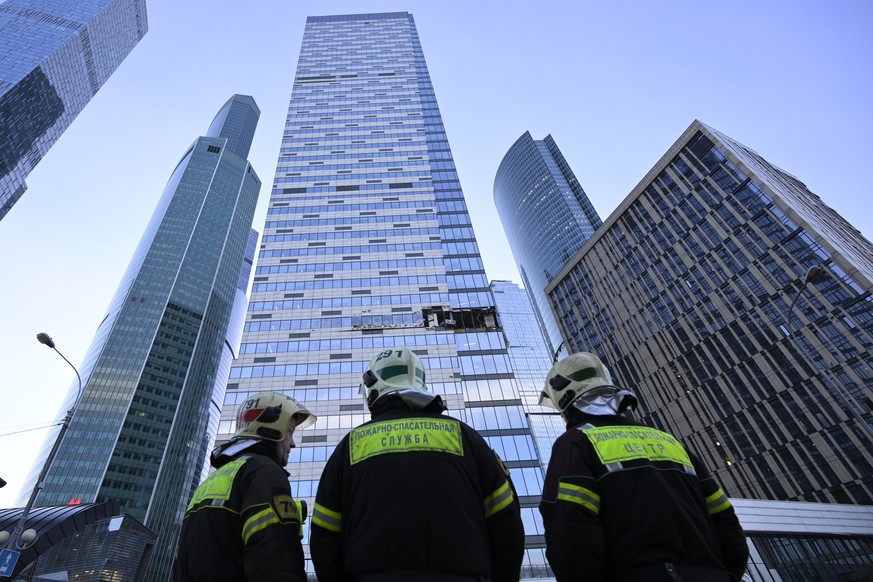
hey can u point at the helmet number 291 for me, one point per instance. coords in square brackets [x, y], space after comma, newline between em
[387, 354]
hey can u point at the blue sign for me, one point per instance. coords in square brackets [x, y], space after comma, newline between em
[8, 559]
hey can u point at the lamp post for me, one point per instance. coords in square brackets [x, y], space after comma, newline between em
[558, 351]
[815, 272]
[21, 538]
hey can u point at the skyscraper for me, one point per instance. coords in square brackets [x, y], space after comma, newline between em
[368, 244]
[546, 215]
[155, 374]
[698, 293]
[531, 362]
[54, 57]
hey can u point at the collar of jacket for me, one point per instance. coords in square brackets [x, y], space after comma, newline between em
[225, 453]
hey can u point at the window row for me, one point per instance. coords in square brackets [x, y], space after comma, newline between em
[356, 266]
[368, 342]
[364, 234]
[513, 448]
[406, 319]
[494, 417]
[373, 144]
[357, 301]
[302, 136]
[315, 164]
[490, 390]
[324, 394]
[347, 220]
[344, 156]
[324, 368]
[350, 207]
[351, 249]
[485, 365]
[386, 281]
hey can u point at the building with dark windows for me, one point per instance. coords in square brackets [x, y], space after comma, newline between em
[699, 292]
[547, 218]
[155, 374]
[54, 57]
[531, 362]
[368, 244]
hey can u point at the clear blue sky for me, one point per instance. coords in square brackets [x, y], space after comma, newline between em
[615, 83]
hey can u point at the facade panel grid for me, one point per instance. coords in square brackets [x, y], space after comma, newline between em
[368, 244]
[685, 292]
[155, 374]
[546, 215]
[54, 57]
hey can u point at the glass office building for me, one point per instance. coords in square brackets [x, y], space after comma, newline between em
[155, 374]
[697, 292]
[531, 362]
[791, 541]
[368, 244]
[54, 57]
[547, 218]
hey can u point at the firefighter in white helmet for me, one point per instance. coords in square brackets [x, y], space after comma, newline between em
[242, 523]
[623, 501]
[413, 494]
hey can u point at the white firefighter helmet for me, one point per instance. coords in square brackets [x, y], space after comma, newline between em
[582, 378]
[267, 415]
[396, 369]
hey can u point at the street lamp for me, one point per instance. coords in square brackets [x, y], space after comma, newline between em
[813, 274]
[558, 351]
[20, 538]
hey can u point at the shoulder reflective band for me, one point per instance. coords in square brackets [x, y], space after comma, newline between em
[405, 435]
[717, 502]
[615, 444]
[575, 494]
[217, 487]
[326, 518]
[501, 497]
[257, 522]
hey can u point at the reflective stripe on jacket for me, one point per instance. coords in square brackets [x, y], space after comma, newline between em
[620, 498]
[414, 492]
[241, 524]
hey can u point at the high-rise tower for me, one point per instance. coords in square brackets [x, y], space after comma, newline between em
[531, 362]
[546, 215]
[155, 374]
[54, 56]
[368, 244]
[738, 305]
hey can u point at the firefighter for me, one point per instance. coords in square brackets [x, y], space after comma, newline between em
[242, 523]
[626, 502]
[413, 494]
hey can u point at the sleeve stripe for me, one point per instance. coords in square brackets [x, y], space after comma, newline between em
[717, 502]
[326, 518]
[499, 499]
[257, 522]
[580, 495]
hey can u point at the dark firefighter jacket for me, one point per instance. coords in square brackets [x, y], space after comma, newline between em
[415, 496]
[241, 524]
[625, 502]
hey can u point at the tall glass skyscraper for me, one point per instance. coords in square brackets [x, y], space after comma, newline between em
[696, 293]
[368, 244]
[531, 362]
[155, 374]
[546, 215]
[54, 56]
